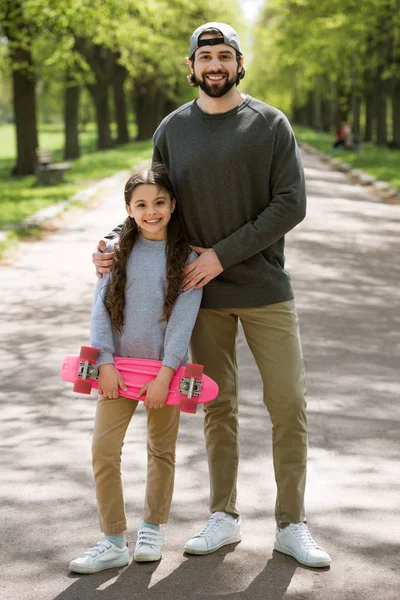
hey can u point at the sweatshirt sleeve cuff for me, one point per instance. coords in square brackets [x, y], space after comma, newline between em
[223, 255]
[172, 362]
[105, 358]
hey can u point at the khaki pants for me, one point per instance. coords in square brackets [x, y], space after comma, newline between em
[112, 419]
[273, 338]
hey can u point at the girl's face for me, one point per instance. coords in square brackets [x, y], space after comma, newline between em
[151, 207]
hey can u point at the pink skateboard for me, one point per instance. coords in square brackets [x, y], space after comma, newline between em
[188, 388]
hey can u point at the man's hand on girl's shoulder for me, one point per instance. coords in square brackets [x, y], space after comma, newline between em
[199, 272]
[101, 259]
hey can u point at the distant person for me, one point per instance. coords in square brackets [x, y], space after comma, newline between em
[140, 311]
[343, 136]
[239, 180]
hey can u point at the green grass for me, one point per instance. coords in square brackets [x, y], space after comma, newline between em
[382, 163]
[20, 197]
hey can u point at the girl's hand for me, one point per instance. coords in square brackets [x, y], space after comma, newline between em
[157, 390]
[109, 381]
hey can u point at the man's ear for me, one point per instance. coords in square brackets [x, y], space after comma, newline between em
[190, 65]
[241, 64]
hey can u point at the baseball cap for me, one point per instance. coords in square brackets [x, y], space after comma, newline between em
[228, 36]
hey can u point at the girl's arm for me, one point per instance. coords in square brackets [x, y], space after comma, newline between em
[180, 325]
[177, 337]
[176, 342]
[102, 337]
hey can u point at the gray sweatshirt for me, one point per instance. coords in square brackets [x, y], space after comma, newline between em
[145, 333]
[240, 185]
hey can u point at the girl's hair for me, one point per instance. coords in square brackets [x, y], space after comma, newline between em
[177, 248]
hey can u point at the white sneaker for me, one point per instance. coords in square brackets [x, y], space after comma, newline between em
[148, 544]
[105, 555]
[220, 530]
[295, 540]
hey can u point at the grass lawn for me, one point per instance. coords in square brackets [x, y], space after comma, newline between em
[382, 163]
[22, 196]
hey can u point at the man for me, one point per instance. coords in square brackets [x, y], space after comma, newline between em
[238, 177]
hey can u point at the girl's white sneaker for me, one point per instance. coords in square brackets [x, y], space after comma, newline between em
[148, 544]
[105, 555]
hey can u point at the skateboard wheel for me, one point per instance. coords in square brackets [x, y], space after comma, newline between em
[88, 353]
[82, 386]
[195, 371]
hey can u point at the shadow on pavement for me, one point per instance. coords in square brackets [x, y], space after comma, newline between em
[197, 577]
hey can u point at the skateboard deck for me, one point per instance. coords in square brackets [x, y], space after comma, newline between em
[189, 386]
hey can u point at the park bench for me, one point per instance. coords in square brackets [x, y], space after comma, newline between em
[47, 172]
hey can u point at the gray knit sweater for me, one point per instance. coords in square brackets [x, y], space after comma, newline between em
[145, 333]
[240, 184]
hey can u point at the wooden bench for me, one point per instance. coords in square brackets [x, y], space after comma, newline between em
[47, 172]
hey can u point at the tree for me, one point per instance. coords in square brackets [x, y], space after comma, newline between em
[20, 33]
[339, 52]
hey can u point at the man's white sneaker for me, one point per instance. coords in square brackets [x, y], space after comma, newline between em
[220, 530]
[148, 544]
[105, 555]
[295, 540]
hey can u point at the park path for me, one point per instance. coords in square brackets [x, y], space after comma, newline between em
[344, 262]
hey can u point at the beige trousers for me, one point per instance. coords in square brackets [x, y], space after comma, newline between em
[112, 419]
[273, 337]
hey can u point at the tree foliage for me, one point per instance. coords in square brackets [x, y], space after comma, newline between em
[119, 46]
[326, 47]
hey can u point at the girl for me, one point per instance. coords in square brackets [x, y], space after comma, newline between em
[139, 311]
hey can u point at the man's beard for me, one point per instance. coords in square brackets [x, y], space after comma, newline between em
[216, 90]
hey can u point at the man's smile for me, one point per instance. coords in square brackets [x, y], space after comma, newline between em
[215, 78]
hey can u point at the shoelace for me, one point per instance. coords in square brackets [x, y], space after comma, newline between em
[300, 531]
[212, 524]
[98, 549]
[150, 536]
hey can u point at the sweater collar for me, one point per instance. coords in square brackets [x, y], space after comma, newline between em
[223, 115]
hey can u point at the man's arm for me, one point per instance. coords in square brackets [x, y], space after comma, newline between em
[102, 259]
[286, 209]
[114, 233]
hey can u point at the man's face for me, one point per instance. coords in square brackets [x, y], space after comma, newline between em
[215, 68]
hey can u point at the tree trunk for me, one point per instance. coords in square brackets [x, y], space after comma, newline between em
[99, 93]
[369, 116]
[356, 119]
[24, 101]
[71, 118]
[396, 113]
[333, 109]
[326, 106]
[380, 109]
[23, 84]
[317, 109]
[147, 109]
[120, 74]
[355, 107]
[309, 110]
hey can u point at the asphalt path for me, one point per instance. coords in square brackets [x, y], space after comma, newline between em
[344, 263]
